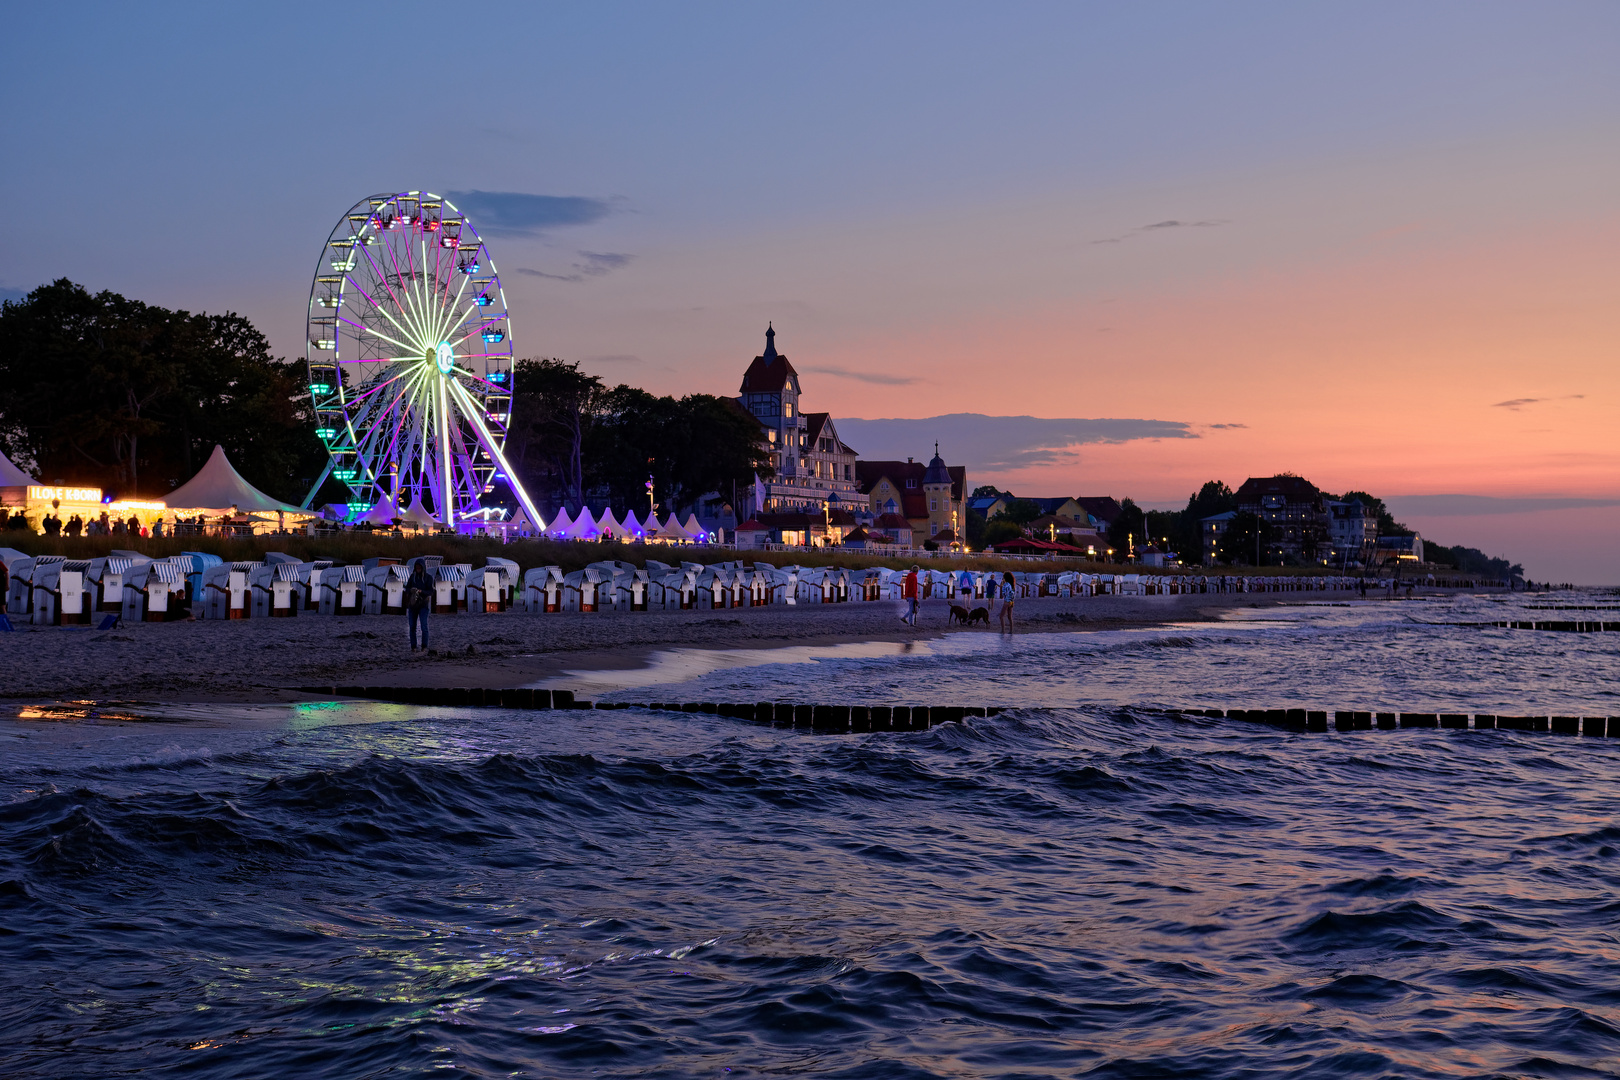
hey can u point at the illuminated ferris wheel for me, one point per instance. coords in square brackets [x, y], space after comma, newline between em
[410, 361]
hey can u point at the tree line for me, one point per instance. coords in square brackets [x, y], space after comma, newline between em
[1181, 531]
[580, 441]
[103, 391]
[99, 390]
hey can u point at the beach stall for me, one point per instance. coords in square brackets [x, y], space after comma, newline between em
[449, 587]
[489, 587]
[218, 490]
[579, 589]
[542, 590]
[155, 591]
[107, 576]
[784, 584]
[14, 576]
[59, 596]
[385, 587]
[672, 589]
[273, 589]
[558, 529]
[225, 590]
[693, 529]
[633, 529]
[339, 590]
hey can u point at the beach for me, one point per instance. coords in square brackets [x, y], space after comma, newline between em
[268, 660]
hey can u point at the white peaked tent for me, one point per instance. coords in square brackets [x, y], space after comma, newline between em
[607, 523]
[520, 525]
[561, 523]
[584, 527]
[218, 486]
[11, 476]
[698, 532]
[383, 513]
[417, 514]
[671, 530]
[632, 527]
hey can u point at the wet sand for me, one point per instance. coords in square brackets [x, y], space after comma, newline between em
[268, 660]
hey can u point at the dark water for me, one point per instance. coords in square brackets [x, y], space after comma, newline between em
[1068, 889]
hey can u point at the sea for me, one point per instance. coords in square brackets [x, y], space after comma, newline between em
[1092, 883]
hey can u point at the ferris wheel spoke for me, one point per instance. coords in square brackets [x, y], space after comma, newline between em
[383, 277]
[374, 332]
[405, 307]
[483, 324]
[476, 415]
[384, 312]
[377, 387]
[452, 321]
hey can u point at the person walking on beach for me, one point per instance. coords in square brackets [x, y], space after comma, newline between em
[908, 592]
[1008, 591]
[418, 597]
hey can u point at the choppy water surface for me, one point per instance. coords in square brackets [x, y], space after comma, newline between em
[1079, 887]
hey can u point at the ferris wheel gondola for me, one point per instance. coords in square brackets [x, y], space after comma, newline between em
[410, 360]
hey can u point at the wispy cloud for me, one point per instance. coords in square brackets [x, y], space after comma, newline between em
[1228, 427]
[1519, 403]
[1158, 226]
[516, 213]
[1471, 505]
[592, 264]
[876, 378]
[999, 443]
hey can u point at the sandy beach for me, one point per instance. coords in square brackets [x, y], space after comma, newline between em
[266, 660]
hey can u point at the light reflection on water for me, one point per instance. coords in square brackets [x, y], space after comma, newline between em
[335, 891]
[1400, 656]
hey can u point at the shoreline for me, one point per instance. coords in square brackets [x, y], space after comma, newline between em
[261, 661]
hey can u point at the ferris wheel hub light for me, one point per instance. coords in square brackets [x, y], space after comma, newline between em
[445, 357]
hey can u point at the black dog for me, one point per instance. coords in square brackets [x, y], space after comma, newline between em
[959, 614]
[979, 614]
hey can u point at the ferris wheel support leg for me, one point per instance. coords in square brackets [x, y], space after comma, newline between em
[488, 442]
[327, 471]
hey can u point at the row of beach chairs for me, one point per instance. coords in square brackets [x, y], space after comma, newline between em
[50, 590]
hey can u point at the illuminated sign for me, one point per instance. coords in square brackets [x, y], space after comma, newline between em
[43, 493]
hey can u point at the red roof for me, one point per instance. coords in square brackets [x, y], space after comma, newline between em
[868, 473]
[752, 525]
[891, 521]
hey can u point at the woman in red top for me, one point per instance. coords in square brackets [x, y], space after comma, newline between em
[908, 591]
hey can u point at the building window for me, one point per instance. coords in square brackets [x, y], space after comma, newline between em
[933, 504]
[911, 483]
[933, 528]
[787, 408]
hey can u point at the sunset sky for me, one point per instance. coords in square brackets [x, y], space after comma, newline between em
[1374, 244]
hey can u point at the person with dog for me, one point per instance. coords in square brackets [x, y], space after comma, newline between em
[1009, 590]
[908, 593]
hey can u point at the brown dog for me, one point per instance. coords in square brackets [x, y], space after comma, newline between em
[959, 614]
[979, 614]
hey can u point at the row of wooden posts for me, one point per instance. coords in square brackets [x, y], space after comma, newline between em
[861, 718]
